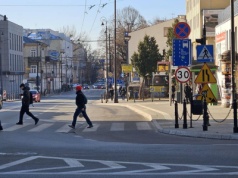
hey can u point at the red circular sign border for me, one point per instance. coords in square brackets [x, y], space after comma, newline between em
[186, 26]
[185, 68]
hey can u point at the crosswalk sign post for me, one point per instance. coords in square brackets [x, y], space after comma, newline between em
[205, 53]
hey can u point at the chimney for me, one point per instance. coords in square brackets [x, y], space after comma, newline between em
[5, 18]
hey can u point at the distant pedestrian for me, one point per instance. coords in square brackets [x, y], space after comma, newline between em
[80, 102]
[173, 92]
[188, 92]
[25, 105]
[111, 93]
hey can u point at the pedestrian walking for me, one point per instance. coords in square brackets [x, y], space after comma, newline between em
[80, 102]
[111, 90]
[25, 105]
[188, 92]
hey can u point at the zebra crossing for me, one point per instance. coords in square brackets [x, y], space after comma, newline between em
[62, 127]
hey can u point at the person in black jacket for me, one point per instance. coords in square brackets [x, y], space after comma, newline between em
[80, 103]
[25, 105]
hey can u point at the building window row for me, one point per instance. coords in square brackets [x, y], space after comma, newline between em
[15, 42]
[16, 63]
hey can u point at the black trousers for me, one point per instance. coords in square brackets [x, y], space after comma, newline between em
[25, 109]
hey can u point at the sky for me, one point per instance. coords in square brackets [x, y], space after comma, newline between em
[85, 16]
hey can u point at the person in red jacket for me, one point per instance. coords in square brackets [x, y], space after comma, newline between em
[80, 102]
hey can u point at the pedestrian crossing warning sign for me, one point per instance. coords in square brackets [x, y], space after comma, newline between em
[205, 53]
[205, 75]
[207, 92]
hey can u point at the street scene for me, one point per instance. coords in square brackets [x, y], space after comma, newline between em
[118, 88]
[124, 141]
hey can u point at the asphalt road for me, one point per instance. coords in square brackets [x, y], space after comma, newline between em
[121, 144]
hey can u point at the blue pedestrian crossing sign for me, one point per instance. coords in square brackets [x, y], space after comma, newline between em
[205, 53]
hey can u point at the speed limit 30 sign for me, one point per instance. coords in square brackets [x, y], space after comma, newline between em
[183, 74]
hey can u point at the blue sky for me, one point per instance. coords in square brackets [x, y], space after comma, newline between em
[56, 14]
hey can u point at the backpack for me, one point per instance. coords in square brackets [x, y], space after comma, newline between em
[31, 98]
[85, 99]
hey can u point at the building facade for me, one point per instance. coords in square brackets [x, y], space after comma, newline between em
[12, 61]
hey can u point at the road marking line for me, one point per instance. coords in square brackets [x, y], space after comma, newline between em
[73, 162]
[93, 129]
[65, 129]
[143, 126]
[166, 115]
[40, 128]
[15, 127]
[117, 127]
[14, 163]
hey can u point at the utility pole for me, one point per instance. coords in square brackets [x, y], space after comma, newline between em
[115, 56]
[233, 68]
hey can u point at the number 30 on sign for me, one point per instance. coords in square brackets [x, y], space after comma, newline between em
[183, 74]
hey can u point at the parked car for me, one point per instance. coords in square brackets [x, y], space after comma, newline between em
[36, 95]
[1, 102]
[86, 86]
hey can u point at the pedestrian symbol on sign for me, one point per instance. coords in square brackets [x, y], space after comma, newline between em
[205, 53]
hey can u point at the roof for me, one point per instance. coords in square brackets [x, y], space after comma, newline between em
[40, 35]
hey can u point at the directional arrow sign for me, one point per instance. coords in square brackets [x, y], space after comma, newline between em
[205, 75]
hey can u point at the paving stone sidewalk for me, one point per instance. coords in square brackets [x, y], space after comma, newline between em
[162, 114]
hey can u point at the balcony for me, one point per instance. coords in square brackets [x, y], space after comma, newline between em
[33, 59]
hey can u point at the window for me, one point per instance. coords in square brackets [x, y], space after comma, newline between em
[33, 68]
[33, 53]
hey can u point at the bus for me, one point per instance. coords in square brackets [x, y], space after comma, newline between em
[162, 81]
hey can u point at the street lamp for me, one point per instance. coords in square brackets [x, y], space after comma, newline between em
[104, 19]
[115, 52]
[127, 37]
[1, 56]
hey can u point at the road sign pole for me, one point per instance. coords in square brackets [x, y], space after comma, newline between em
[235, 129]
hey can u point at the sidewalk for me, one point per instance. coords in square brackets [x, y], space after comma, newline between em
[161, 113]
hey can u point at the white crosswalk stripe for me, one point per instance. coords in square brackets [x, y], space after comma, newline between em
[65, 128]
[143, 126]
[16, 127]
[93, 129]
[81, 127]
[40, 128]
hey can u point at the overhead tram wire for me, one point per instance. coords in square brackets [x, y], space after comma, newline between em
[83, 16]
[95, 17]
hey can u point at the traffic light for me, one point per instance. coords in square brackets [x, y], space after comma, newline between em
[202, 41]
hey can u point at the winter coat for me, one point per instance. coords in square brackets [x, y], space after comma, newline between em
[26, 96]
[79, 100]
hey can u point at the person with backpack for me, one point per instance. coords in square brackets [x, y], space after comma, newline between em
[80, 102]
[26, 101]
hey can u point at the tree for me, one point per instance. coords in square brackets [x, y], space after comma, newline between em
[145, 61]
[128, 19]
[170, 37]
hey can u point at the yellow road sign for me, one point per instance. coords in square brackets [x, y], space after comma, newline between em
[205, 75]
[126, 68]
[210, 98]
[156, 88]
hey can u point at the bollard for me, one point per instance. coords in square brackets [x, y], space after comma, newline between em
[185, 126]
[1, 126]
[191, 114]
[101, 98]
[176, 114]
[205, 114]
[134, 97]
[235, 128]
